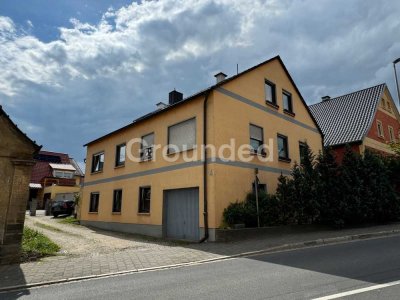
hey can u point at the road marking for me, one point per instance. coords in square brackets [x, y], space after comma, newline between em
[359, 291]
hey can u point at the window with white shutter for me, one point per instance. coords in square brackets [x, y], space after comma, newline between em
[182, 136]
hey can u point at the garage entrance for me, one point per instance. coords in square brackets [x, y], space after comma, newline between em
[181, 214]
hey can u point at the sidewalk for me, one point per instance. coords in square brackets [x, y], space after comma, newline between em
[164, 254]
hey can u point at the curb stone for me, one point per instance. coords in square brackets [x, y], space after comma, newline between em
[292, 246]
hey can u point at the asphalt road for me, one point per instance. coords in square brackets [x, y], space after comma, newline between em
[300, 274]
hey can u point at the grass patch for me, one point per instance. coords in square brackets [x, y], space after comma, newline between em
[69, 220]
[36, 245]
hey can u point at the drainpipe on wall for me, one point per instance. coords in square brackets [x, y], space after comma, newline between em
[205, 190]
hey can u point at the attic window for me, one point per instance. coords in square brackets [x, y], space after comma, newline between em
[287, 101]
[389, 108]
[270, 95]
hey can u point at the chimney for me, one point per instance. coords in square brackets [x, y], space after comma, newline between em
[220, 77]
[161, 105]
[175, 97]
[325, 98]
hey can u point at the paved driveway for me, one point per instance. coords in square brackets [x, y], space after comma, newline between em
[80, 241]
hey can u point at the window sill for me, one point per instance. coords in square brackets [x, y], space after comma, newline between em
[96, 172]
[288, 112]
[119, 167]
[143, 214]
[273, 105]
[93, 212]
[258, 154]
[116, 213]
[284, 159]
[186, 150]
[145, 160]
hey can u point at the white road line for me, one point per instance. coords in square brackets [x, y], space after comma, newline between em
[359, 291]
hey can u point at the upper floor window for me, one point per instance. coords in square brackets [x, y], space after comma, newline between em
[120, 153]
[256, 139]
[94, 202]
[380, 128]
[391, 134]
[144, 199]
[117, 201]
[63, 174]
[270, 95]
[97, 162]
[182, 136]
[283, 151]
[146, 151]
[287, 102]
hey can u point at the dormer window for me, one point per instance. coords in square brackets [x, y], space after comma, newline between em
[63, 174]
[63, 170]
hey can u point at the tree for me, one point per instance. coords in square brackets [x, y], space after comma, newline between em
[332, 206]
[395, 146]
[379, 194]
[352, 187]
[284, 194]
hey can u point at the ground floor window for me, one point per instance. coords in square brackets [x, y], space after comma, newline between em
[94, 202]
[144, 199]
[262, 188]
[117, 201]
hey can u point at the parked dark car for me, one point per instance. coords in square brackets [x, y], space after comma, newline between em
[62, 207]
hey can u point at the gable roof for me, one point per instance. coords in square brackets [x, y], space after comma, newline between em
[36, 147]
[208, 90]
[348, 118]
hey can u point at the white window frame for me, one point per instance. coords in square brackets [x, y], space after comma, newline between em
[391, 134]
[63, 174]
[146, 151]
[379, 126]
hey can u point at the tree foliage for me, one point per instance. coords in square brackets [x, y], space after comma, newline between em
[363, 189]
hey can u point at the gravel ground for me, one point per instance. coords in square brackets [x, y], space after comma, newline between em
[76, 240]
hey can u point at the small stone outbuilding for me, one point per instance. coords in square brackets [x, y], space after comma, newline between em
[16, 162]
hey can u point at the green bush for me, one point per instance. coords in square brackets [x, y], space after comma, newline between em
[363, 189]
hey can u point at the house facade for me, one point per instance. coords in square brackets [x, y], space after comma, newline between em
[365, 119]
[16, 162]
[180, 191]
[55, 176]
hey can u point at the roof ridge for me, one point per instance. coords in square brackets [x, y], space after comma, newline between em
[358, 91]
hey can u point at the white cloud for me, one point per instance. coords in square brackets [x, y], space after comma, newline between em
[97, 77]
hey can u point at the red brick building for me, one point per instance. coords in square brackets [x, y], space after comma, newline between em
[365, 119]
[54, 176]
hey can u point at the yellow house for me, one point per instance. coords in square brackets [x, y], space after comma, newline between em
[172, 172]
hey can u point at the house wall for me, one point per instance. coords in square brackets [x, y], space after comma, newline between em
[231, 109]
[339, 151]
[388, 116]
[57, 189]
[244, 104]
[16, 161]
[159, 174]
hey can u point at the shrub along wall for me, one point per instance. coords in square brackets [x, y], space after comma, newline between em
[363, 189]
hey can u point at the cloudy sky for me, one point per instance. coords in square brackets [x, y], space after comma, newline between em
[71, 71]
